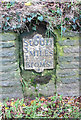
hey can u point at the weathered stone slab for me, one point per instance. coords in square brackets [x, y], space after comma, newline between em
[12, 95]
[69, 65]
[7, 44]
[13, 82]
[71, 49]
[9, 90]
[7, 68]
[69, 42]
[9, 75]
[71, 89]
[45, 89]
[67, 72]
[10, 85]
[7, 37]
[8, 52]
[6, 61]
[69, 58]
[38, 53]
[70, 80]
[71, 34]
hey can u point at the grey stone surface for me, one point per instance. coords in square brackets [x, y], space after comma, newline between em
[6, 61]
[71, 34]
[69, 42]
[69, 65]
[33, 78]
[38, 53]
[7, 36]
[79, 71]
[8, 52]
[67, 72]
[46, 89]
[9, 75]
[10, 67]
[9, 90]
[7, 44]
[10, 85]
[15, 95]
[69, 80]
[71, 49]
[71, 89]
[13, 82]
[69, 58]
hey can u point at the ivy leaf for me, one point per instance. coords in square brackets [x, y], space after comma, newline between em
[69, 6]
[28, 4]
[74, 26]
[59, 12]
[3, 16]
[29, 19]
[12, 3]
[33, 15]
[14, 26]
[19, 20]
[8, 5]
[74, 19]
[40, 18]
[7, 18]
[24, 19]
[34, 28]
[67, 19]
[7, 27]
[18, 26]
[11, 28]
[5, 23]
[63, 29]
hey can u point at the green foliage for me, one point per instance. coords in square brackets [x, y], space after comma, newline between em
[8, 5]
[29, 19]
[40, 18]
[53, 107]
[34, 28]
[53, 16]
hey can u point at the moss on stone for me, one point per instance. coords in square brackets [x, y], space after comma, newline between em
[59, 50]
[70, 35]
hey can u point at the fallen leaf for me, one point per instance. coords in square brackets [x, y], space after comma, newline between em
[32, 101]
[28, 4]
[42, 99]
[12, 104]
[6, 108]
[24, 105]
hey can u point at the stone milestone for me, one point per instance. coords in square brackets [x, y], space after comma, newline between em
[38, 53]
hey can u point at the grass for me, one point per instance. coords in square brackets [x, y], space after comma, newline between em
[51, 107]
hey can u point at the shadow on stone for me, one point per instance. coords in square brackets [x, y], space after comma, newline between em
[42, 79]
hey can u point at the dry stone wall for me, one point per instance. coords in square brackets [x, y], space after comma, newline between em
[63, 79]
[68, 64]
[10, 85]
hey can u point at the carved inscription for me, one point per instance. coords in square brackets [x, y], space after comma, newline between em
[38, 53]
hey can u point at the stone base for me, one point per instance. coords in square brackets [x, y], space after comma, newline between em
[71, 89]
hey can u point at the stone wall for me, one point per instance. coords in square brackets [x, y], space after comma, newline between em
[10, 85]
[64, 78]
[68, 64]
